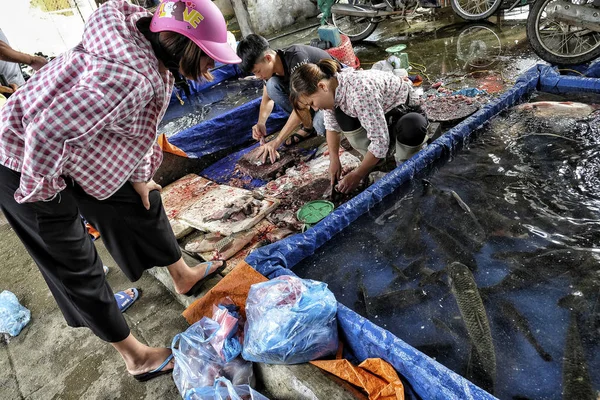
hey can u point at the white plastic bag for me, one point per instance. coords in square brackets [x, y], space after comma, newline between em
[224, 390]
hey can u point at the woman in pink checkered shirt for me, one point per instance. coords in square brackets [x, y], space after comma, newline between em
[80, 138]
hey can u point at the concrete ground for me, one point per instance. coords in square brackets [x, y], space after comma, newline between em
[49, 360]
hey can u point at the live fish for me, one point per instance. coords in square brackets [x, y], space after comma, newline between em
[466, 293]
[553, 109]
[394, 300]
[522, 325]
[576, 382]
[454, 249]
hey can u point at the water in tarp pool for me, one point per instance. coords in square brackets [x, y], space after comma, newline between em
[208, 104]
[490, 262]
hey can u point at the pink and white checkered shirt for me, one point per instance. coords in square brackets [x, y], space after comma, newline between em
[91, 114]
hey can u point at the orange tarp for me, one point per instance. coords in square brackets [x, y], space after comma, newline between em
[164, 144]
[374, 375]
[235, 285]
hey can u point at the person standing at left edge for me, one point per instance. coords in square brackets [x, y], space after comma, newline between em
[80, 137]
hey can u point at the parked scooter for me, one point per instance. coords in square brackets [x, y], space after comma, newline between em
[358, 18]
[565, 32]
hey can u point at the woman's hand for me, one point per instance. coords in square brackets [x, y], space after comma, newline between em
[335, 169]
[144, 189]
[350, 182]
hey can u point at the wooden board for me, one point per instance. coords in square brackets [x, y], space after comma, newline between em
[260, 230]
[215, 199]
[181, 194]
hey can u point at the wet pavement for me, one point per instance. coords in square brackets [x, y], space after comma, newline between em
[488, 54]
[50, 360]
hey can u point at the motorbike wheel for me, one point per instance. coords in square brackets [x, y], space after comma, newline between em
[560, 43]
[479, 45]
[475, 10]
[356, 28]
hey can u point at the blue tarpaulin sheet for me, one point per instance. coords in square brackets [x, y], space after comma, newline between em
[428, 378]
[223, 171]
[552, 82]
[221, 73]
[228, 130]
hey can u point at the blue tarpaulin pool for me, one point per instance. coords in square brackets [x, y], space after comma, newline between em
[428, 378]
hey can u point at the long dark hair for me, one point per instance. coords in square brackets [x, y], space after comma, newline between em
[305, 80]
[179, 53]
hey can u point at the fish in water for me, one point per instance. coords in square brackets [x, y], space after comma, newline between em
[470, 305]
[554, 109]
[387, 302]
[576, 383]
[519, 321]
[453, 248]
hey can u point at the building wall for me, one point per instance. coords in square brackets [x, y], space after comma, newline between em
[225, 7]
[270, 16]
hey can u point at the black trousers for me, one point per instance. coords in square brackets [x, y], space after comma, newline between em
[55, 237]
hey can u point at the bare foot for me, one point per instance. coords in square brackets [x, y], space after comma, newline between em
[194, 275]
[154, 357]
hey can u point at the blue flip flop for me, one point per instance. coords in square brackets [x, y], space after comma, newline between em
[124, 301]
[158, 371]
[198, 285]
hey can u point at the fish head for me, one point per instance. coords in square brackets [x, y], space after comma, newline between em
[457, 271]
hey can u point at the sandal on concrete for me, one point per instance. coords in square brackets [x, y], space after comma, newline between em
[158, 371]
[124, 301]
[198, 285]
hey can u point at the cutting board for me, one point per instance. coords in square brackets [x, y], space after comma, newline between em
[215, 199]
[181, 194]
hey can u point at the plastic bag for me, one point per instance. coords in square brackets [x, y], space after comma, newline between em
[197, 363]
[226, 342]
[290, 321]
[13, 316]
[227, 392]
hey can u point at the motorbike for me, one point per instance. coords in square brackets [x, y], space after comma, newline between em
[357, 19]
[565, 32]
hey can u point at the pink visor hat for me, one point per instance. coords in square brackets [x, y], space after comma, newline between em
[199, 20]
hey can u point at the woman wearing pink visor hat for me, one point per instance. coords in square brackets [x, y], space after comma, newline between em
[80, 138]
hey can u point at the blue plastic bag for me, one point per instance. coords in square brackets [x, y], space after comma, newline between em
[290, 321]
[13, 316]
[469, 92]
[227, 392]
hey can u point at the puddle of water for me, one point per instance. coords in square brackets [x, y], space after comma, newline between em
[446, 47]
[520, 209]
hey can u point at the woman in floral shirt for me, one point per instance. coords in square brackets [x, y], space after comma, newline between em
[368, 107]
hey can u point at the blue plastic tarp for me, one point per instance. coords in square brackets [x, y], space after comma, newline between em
[228, 130]
[552, 82]
[429, 379]
[593, 70]
[220, 73]
[223, 171]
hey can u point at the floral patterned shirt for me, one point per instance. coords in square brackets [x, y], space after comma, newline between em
[368, 96]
